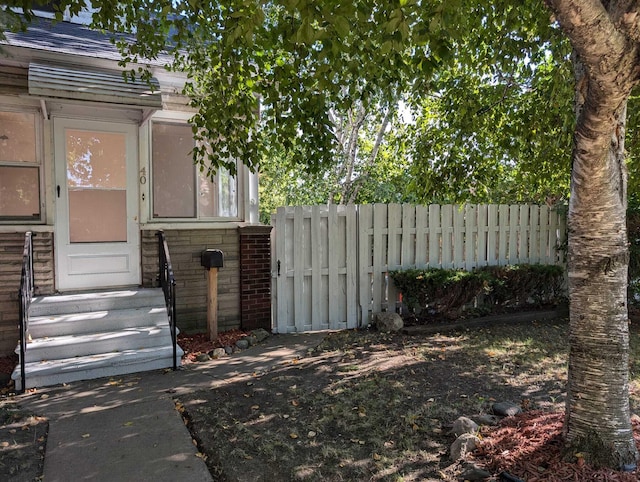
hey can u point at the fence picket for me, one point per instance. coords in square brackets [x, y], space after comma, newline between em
[534, 234]
[330, 264]
[482, 255]
[365, 261]
[351, 258]
[470, 236]
[421, 255]
[446, 219]
[523, 236]
[435, 236]
[380, 235]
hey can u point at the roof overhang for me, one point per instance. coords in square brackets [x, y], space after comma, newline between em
[54, 81]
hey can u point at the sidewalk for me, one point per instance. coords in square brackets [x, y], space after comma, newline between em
[128, 429]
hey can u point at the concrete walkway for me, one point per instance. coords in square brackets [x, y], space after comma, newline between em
[128, 429]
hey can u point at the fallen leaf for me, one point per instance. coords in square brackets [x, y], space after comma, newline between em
[128, 424]
[293, 435]
[376, 456]
[311, 434]
[86, 435]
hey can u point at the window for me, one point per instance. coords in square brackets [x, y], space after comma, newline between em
[19, 167]
[179, 189]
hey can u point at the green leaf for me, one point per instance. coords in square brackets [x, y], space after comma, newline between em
[342, 26]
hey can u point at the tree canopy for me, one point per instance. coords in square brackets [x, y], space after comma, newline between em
[265, 74]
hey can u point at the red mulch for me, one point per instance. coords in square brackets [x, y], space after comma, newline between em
[530, 446]
[198, 343]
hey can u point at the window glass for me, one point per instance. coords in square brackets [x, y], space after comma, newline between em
[19, 169]
[19, 192]
[17, 137]
[227, 194]
[173, 171]
[180, 190]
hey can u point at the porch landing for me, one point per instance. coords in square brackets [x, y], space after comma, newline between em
[89, 335]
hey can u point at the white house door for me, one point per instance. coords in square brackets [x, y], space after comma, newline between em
[97, 234]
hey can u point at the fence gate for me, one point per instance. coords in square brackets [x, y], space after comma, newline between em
[330, 264]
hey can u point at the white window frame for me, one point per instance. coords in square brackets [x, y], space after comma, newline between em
[164, 117]
[39, 164]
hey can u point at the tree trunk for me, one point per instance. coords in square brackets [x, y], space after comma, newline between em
[598, 415]
[605, 38]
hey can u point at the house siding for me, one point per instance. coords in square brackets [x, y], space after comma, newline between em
[11, 247]
[185, 248]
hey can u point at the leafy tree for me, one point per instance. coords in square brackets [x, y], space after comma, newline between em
[303, 58]
[371, 165]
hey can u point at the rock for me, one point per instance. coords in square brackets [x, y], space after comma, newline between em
[464, 425]
[506, 409]
[472, 472]
[203, 357]
[486, 419]
[217, 353]
[387, 322]
[261, 334]
[243, 343]
[463, 445]
[228, 350]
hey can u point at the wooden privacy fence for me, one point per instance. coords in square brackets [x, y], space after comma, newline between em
[330, 264]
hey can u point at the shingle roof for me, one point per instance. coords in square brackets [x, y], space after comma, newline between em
[66, 38]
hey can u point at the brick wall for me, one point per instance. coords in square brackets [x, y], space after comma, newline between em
[185, 247]
[255, 277]
[11, 247]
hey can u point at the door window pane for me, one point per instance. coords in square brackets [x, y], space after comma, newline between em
[174, 175]
[97, 186]
[19, 192]
[97, 216]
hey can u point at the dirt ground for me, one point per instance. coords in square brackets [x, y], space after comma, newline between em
[371, 406]
[363, 406]
[22, 443]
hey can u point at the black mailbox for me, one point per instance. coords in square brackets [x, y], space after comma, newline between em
[212, 258]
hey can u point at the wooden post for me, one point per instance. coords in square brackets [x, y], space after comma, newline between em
[212, 304]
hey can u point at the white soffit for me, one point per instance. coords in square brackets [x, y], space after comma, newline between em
[109, 86]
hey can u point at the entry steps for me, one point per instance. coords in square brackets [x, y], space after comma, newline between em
[96, 334]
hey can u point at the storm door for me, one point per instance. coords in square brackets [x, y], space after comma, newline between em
[97, 233]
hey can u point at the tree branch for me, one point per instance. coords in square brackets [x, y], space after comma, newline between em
[593, 34]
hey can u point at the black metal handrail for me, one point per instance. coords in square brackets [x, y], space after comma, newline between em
[168, 284]
[25, 296]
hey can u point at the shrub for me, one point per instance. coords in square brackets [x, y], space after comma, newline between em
[490, 288]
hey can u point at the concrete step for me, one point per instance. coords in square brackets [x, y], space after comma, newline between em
[66, 370]
[95, 301]
[68, 346]
[87, 335]
[95, 321]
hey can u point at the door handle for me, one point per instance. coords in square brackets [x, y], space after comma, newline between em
[58, 189]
